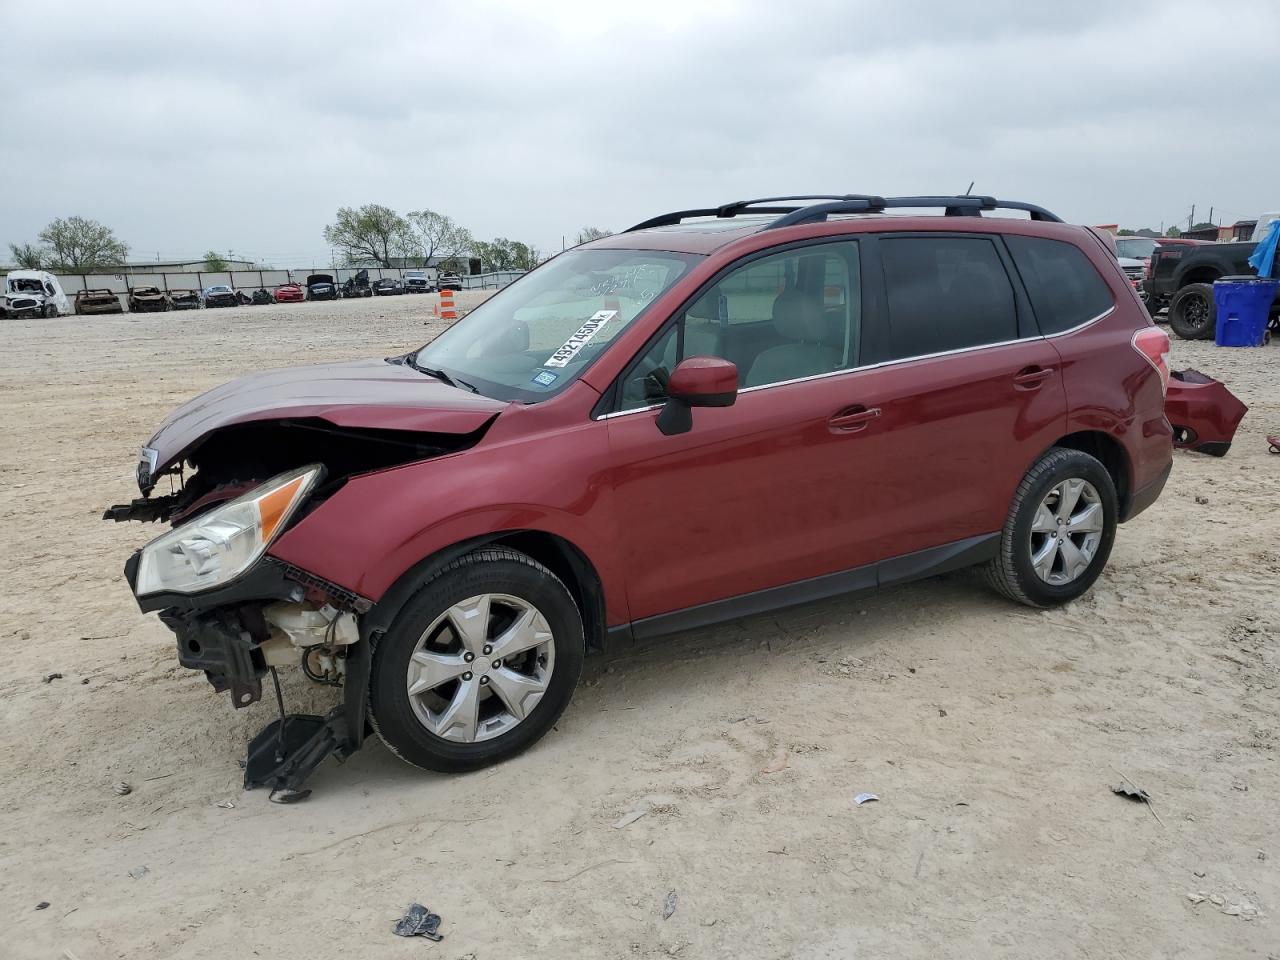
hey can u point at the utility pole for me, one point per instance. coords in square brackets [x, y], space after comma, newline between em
[1192, 218]
[1211, 213]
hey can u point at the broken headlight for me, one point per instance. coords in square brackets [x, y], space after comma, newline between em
[218, 546]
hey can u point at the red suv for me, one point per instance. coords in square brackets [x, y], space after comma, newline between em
[716, 413]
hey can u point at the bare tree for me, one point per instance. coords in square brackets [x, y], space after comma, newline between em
[587, 234]
[76, 245]
[436, 235]
[372, 234]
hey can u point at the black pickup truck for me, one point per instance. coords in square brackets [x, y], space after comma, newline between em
[1181, 278]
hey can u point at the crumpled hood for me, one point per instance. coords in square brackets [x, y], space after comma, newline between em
[356, 393]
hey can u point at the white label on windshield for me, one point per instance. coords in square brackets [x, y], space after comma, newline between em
[569, 350]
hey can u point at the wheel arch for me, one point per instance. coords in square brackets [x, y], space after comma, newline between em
[1203, 274]
[562, 557]
[1111, 453]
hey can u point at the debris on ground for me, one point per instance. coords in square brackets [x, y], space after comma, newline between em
[630, 817]
[777, 764]
[669, 905]
[1202, 500]
[122, 789]
[418, 921]
[862, 798]
[138, 872]
[226, 804]
[1133, 793]
[42, 905]
[50, 677]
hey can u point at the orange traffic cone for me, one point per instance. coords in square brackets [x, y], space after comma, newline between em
[447, 309]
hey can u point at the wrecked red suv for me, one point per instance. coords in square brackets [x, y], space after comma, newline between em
[716, 413]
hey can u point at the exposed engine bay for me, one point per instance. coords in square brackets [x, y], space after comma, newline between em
[239, 457]
[239, 614]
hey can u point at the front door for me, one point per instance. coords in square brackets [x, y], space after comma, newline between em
[770, 490]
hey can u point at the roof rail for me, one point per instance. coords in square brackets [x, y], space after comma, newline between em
[745, 206]
[957, 206]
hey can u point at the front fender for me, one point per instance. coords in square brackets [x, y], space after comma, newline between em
[380, 525]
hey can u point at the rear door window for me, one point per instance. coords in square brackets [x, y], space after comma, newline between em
[1065, 288]
[945, 293]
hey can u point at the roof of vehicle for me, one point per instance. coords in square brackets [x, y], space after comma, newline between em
[218, 287]
[26, 275]
[705, 230]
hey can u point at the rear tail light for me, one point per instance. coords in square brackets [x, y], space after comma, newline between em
[1153, 344]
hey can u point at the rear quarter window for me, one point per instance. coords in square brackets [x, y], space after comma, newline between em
[1065, 288]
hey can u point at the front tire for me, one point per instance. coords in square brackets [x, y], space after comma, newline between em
[1193, 315]
[1059, 531]
[478, 665]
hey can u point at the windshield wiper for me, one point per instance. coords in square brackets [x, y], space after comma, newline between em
[444, 377]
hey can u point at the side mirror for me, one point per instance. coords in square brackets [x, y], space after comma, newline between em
[697, 382]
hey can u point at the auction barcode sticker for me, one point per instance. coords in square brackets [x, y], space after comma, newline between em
[575, 343]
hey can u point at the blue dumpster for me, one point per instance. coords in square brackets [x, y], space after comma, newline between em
[1243, 305]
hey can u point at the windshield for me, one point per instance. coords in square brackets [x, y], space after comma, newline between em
[25, 285]
[218, 290]
[1136, 248]
[536, 336]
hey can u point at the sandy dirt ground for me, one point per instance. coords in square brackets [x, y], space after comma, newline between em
[991, 733]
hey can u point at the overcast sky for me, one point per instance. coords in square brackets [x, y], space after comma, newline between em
[243, 126]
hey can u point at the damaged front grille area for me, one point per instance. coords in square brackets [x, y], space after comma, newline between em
[339, 597]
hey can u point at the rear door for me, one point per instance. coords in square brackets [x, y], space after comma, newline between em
[968, 391]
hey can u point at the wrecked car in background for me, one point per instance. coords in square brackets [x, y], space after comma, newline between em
[289, 293]
[184, 299]
[32, 293]
[1204, 414]
[89, 302]
[357, 286]
[320, 286]
[220, 295]
[147, 300]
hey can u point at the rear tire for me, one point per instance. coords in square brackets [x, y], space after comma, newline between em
[523, 693]
[1193, 315]
[1059, 531]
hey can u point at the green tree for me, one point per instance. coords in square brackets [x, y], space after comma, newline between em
[1124, 232]
[215, 262]
[503, 254]
[1173, 232]
[436, 235]
[27, 256]
[587, 234]
[372, 235]
[77, 245]
[1205, 225]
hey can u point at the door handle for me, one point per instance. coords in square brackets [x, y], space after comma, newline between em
[852, 419]
[1030, 378]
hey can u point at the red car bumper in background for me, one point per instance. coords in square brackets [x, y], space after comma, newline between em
[290, 295]
[1203, 412]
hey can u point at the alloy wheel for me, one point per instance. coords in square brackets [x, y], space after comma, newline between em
[1066, 531]
[481, 667]
[1196, 311]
